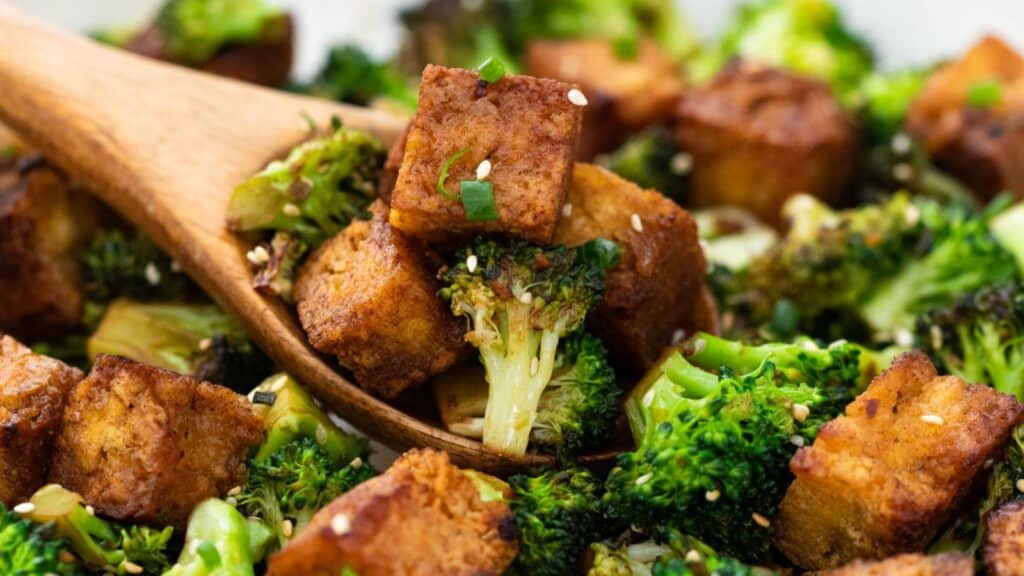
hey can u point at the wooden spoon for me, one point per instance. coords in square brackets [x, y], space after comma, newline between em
[165, 146]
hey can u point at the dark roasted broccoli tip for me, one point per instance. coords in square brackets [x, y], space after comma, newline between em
[653, 160]
[459, 34]
[806, 36]
[100, 545]
[315, 192]
[713, 452]
[195, 339]
[30, 548]
[351, 75]
[883, 100]
[520, 300]
[194, 30]
[899, 164]
[276, 262]
[558, 515]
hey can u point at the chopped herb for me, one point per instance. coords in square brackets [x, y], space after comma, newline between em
[478, 200]
[491, 70]
[985, 93]
[444, 173]
[625, 47]
[263, 397]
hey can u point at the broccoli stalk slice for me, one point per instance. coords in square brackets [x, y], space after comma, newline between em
[216, 543]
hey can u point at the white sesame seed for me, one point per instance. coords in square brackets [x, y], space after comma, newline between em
[801, 412]
[340, 524]
[681, 164]
[526, 298]
[988, 464]
[904, 338]
[235, 491]
[534, 366]
[287, 528]
[698, 345]
[903, 172]
[90, 510]
[901, 143]
[636, 222]
[483, 170]
[321, 434]
[175, 266]
[258, 255]
[290, 209]
[912, 214]
[25, 508]
[152, 274]
[131, 567]
[712, 495]
[471, 263]
[567, 209]
[356, 463]
[577, 97]
[231, 500]
[1020, 485]
[692, 557]
[809, 345]
[205, 344]
[936, 333]
[837, 343]
[932, 419]
[644, 479]
[797, 440]
[648, 398]
[678, 336]
[761, 520]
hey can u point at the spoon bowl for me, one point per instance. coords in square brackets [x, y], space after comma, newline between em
[165, 146]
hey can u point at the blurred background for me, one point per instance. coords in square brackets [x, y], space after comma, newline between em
[904, 32]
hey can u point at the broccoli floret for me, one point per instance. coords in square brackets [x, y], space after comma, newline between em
[900, 165]
[195, 339]
[458, 34]
[521, 300]
[806, 36]
[30, 548]
[652, 159]
[732, 238]
[194, 30]
[885, 98]
[129, 265]
[679, 555]
[276, 276]
[713, 451]
[100, 544]
[351, 75]
[558, 516]
[217, 543]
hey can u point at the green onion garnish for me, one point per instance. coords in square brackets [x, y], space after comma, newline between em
[265, 398]
[444, 173]
[478, 200]
[985, 93]
[491, 70]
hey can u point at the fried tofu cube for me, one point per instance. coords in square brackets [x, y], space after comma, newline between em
[146, 445]
[1004, 540]
[422, 517]
[983, 146]
[369, 297]
[759, 135]
[881, 479]
[949, 564]
[526, 127]
[44, 222]
[33, 392]
[658, 287]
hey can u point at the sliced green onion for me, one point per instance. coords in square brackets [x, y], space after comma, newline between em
[444, 173]
[478, 200]
[491, 70]
[985, 93]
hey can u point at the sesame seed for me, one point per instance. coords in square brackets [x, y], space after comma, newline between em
[567, 209]
[152, 274]
[483, 170]
[340, 524]
[131, 567]
[692, 557]
[912, 214]
[801, 412]
[809, 345]
[321, 434]
[526, 298]
[648, 398]
[231, 500]
[678, 336]
[903, 172]
[698, 346]
[932, 419]
[287, 528]
[936, 333]
[290, 209]
[1020, 485]
[797, 440]
[258, 255]
[904, 338]
[356, 463]
[837, 343]
[175, 267]
[25, 508]
[712, 495]
[761, 520]
[636, 222]
[644, 479]
[988, 464]
[235, 491]
[577, 97]
[901, 143]
[205, 344]
[681, 164]
[471, 263]
[534, 366]
[90, 510]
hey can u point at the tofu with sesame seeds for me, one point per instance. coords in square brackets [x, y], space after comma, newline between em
[146, 445]
[759, 135]
[658, 287]
[369, 297]
[883, 478]
[1004, 540]
[948, 564]
[33, 392]
[527, 128]
[422, 517]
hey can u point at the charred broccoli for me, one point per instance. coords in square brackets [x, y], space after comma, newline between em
[901, 165]
[351, 75]
[30, 548]
[129, 265]
[521, 300]
[194, 30]
[652, 159]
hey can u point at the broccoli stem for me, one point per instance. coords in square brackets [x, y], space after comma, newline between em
[712, 353]
[695, 382]
[986, 360]
[217, 542]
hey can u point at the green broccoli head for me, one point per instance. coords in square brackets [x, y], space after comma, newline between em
[713, 452]
[315, 192]
[558, 515]
[218, 542]
[117, 264]
[520, 300]
[652, 159]
[351, 75]
[675, 554]
[806, 36]
[29, 548]
[900, 165]
[194, 30]
[885, 98]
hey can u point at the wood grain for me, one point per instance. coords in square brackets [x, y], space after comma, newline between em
[165, 147]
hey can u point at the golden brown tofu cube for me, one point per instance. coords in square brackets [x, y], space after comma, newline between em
[423, 517]
[147, 445]
[759, 135]
[883, 478]
[33, 392]
[44, 222]
[981, 145]
[949, 564]
[369, 296]
[1004, 540]
[658, 286]
[526, 127]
